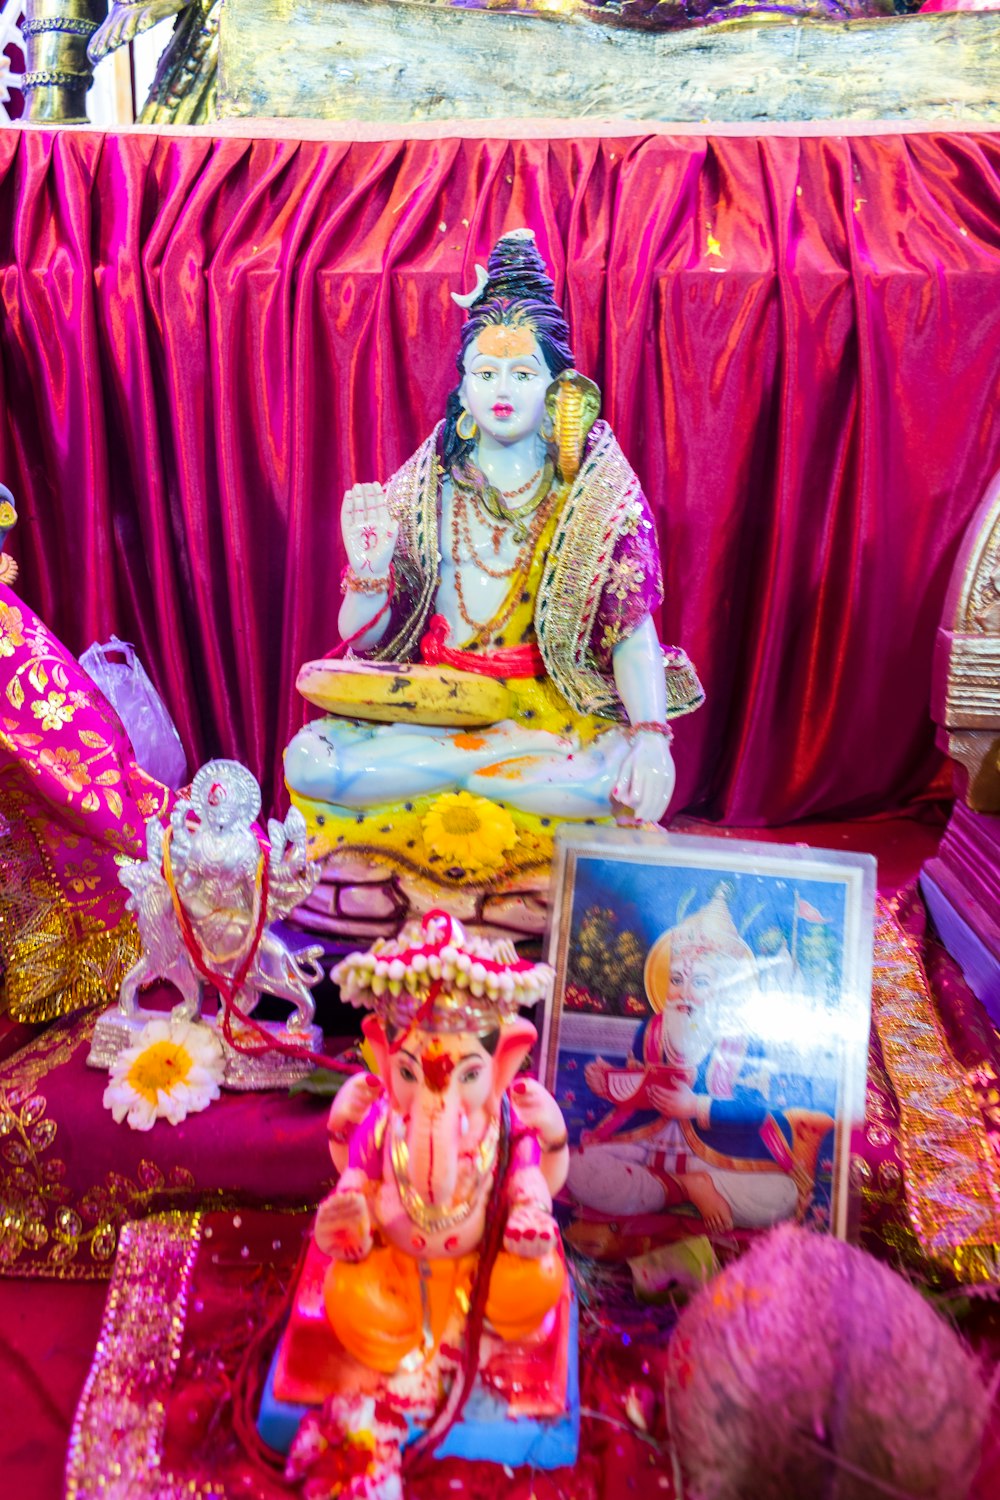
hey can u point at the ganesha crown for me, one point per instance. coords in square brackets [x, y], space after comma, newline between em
[436, 976]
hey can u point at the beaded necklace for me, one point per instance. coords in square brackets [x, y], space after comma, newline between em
[490, 628]
[473, 482]
[461, 531]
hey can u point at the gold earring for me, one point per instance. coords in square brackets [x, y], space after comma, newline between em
[547, 429]
[467, 437]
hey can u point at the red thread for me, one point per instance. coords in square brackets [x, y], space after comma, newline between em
[497, 662]
[343, 647]
[229, 988]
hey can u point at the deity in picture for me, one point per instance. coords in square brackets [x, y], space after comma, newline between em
[691, 1121]
[502, 588]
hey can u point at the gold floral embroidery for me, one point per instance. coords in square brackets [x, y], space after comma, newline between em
[53, 711]
[11, 629]
[626, 578]
[632, 520]
[610, 637]
[65, 765]
[57, 957]
[82, 877]
[32, 1188]
[80, 1238]
[25, 1069]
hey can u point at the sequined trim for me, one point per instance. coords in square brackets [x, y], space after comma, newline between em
[602, 504]
[952, 1192]
[577, 571]
[412, 496]
[115, 1446]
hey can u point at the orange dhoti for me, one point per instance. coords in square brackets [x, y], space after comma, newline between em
[391, 1305]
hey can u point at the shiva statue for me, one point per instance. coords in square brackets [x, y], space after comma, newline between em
[205, 899]
[501, 588]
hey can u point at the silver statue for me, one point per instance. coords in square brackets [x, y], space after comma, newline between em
[201, 888]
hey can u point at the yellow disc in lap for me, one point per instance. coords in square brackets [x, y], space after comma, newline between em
[388, 692]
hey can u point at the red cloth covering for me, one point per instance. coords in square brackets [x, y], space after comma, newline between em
[49, 1329]
[70, 1177]
[205, 341]
[243, 1267]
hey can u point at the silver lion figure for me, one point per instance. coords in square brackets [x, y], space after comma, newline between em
[204, 899]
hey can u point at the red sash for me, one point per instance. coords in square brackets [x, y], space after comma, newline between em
[499, 662]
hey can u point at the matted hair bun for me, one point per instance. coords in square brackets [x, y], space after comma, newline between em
[515, 269]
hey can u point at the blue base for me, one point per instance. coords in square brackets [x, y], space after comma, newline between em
[978, 964]
[484, 1432]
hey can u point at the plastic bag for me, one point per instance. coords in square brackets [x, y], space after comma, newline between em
[125, 684]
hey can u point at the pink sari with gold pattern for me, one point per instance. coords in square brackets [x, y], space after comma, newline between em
[72, 803]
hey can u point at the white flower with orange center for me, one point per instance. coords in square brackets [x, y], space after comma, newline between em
[174, 1070]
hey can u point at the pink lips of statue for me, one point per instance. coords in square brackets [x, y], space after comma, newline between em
[503, 409]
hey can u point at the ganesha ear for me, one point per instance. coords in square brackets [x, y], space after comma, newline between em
[379, 1045]
[516, 1040]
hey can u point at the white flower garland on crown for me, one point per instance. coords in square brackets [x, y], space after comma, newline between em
[396, 976]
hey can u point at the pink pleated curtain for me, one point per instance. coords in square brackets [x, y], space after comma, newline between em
[205, 341]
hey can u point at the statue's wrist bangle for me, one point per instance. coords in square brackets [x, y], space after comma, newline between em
[650, 726]
[353, 583]
[559, 1145]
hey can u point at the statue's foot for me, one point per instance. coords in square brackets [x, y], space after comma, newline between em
[709, 1202]
[343, 1227]
[531, 1231]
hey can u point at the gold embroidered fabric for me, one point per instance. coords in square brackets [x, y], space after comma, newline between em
[602, 506]
[72, 806]
[62, 1207]
[950, 1174]
[116, 1440]
[44, 1229]
[54, 960]
[412, 497]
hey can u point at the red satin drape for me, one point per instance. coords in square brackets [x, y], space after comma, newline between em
[204, 341]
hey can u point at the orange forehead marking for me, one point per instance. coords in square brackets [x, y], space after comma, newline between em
[503, 342]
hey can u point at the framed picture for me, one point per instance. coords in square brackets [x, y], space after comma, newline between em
[707, 1037]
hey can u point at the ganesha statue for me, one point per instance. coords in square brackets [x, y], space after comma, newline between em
[204, 899]
[502, 670]
[436, 1262]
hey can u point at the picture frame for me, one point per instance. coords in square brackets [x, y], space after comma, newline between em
[707, 1035]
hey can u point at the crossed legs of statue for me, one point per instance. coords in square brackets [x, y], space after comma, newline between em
[623, 1178]
[352, 765]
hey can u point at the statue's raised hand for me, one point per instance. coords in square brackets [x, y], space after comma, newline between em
[369, 530]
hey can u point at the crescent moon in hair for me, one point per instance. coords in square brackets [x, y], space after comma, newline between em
[466, 299]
